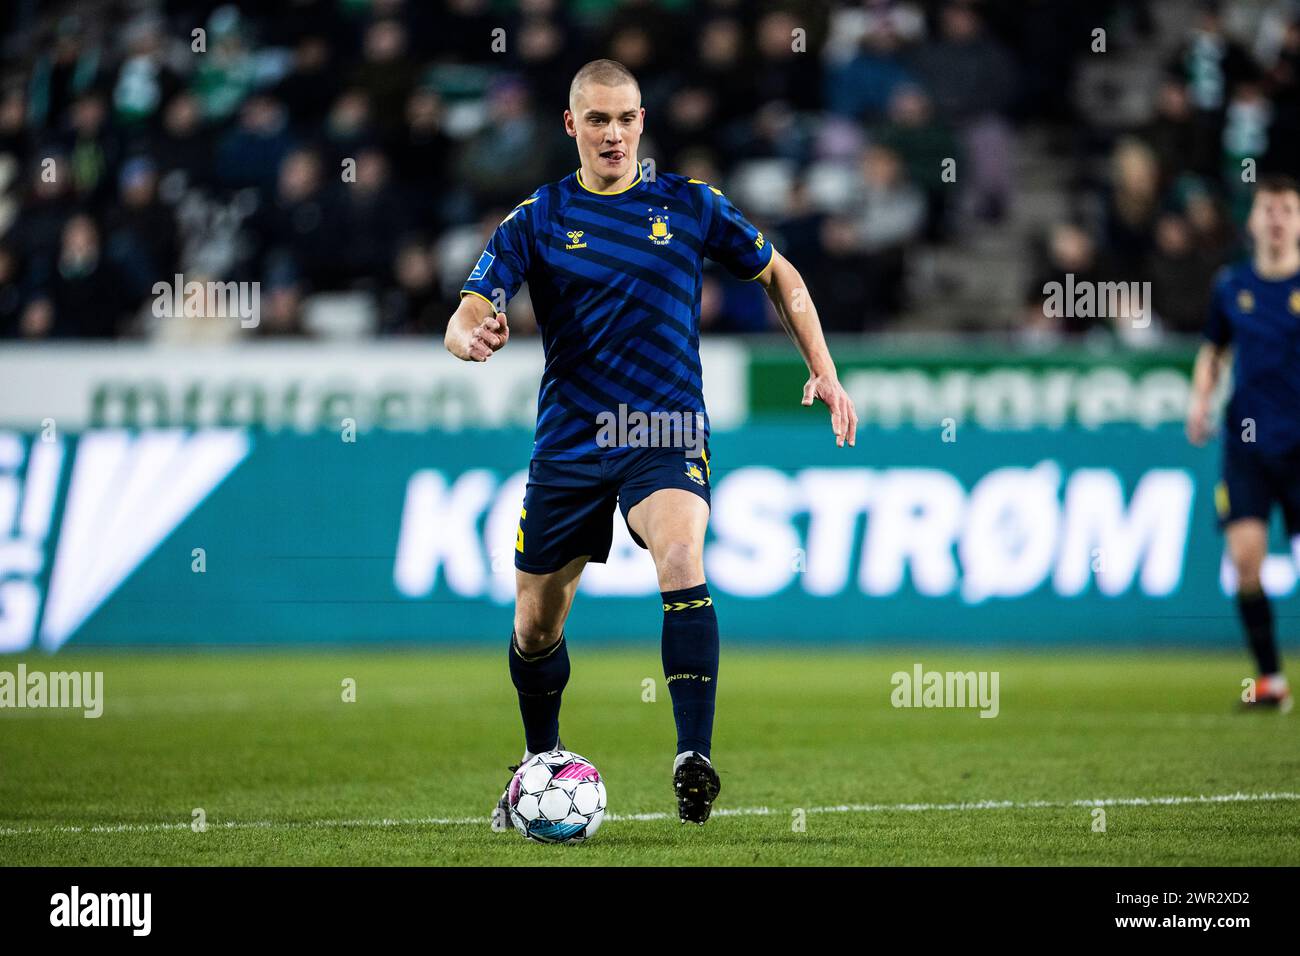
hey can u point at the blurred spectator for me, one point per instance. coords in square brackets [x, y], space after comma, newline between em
[925, 144]
[1132, 201]
[412, 304]
[863, 85]
[420, 153]
[971, 78]
[15, 139]
[141, 232]
[1172, 134]
[545, 58]
[82, 297]
[723, 66]
[250, 154]
[1180, 276]
[49, 205]
[1245, 143]
[386, 75]
[69, 68]
[301, 225]
[891, 211]
[281, 302]
[782, 72]
[348, 128]
[145, 80]
[1210, 64]
[226, 73]
[94, 151]
[507, 160]
[371, 217]
[11, 292]
[181, 148]
[690, 120]
[1283, 80]
[1069, 250]
[312, 83]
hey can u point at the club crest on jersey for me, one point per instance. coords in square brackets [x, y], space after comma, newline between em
[1246, 301]
[659, 233]
[575, 240]
[693, 472]
[1293, 303]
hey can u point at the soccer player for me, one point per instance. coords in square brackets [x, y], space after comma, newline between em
[1255, 312]
[613, 256]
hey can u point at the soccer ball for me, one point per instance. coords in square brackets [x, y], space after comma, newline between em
[557, 797]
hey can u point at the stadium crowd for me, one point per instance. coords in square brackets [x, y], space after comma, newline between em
[361, 151]
[1168, 202]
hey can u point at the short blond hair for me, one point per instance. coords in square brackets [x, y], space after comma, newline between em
[601, 73]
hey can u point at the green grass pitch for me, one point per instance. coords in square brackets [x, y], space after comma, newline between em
[286, 772]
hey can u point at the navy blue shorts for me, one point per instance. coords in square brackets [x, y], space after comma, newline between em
[569, 505]
[1253, 483]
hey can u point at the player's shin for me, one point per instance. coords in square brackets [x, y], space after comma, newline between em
[540, 680]
[1257, 619]
[690, 656]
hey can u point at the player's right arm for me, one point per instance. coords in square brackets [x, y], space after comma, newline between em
[1208, 369]
[476, 330]
[1205, 379]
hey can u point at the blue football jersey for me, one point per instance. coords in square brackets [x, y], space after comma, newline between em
[615, 281]
[1260, 319]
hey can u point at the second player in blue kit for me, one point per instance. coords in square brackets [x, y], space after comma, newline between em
[1255, 316]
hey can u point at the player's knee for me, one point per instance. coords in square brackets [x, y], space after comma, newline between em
[534, 635]
[1248, 579]
[679, 563]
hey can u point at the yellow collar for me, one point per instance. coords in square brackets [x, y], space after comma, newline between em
[595, 192]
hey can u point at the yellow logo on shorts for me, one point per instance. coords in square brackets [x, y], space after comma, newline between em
[693, 472]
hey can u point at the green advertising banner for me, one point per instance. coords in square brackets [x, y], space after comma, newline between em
[987, 384]
[239, 537]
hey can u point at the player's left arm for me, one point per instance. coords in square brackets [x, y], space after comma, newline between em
[794, 307]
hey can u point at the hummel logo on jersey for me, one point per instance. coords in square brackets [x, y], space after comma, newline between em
[575, 240]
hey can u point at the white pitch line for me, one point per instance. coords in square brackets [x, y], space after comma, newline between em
[1273, 797]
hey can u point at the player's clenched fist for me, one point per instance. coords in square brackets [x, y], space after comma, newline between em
[487, 337]
[476, 340]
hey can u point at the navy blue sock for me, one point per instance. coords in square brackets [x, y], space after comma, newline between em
[690, 650]
[1257, 618]
[540, 679]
